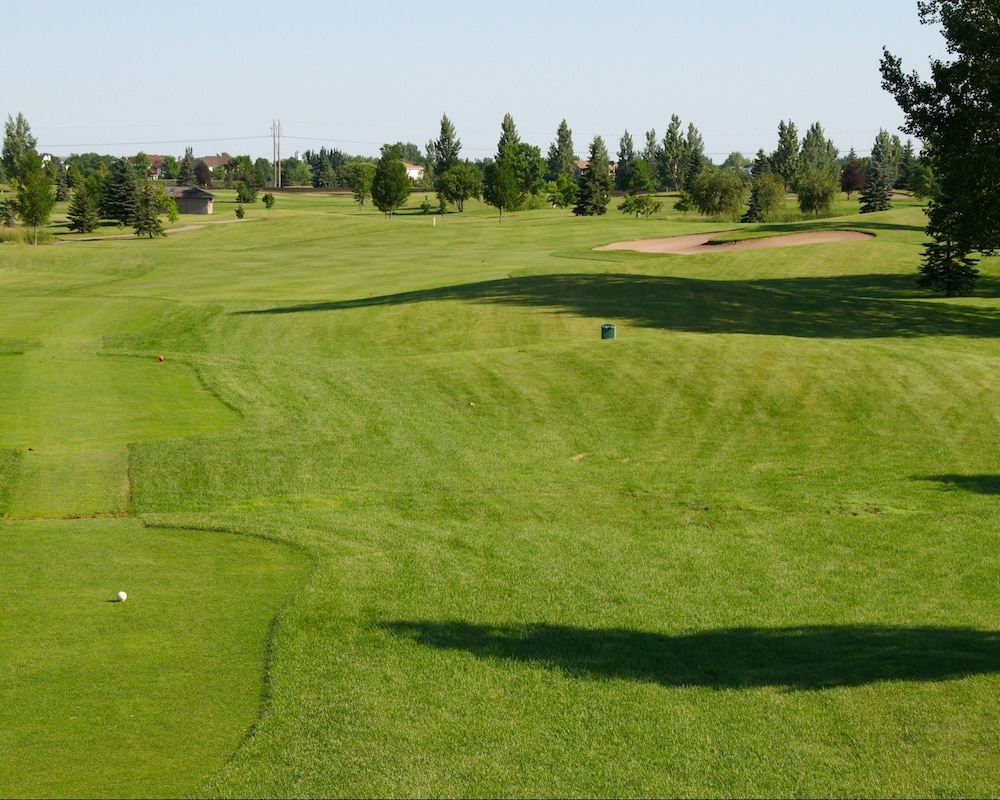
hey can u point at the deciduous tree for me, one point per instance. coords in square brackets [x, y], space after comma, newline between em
[358, 176]
[460, 182]
[390, 184]
[18, 144]
[35, 196]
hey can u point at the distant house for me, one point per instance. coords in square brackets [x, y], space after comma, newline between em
[580, 166]
[191, 199]
[214, 161]
[414, 171]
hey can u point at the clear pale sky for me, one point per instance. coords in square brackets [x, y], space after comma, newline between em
[119, 76]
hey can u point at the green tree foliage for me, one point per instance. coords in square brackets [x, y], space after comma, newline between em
[358, 176]
[561, 157]
[170, 168]
[120, 192]
[955, 115]
[785, 158]
[640, 179]
[84, 210]
[501, 187]
[685, 203]
[62, 183]
[767, 190]
[146, 217]
[460, 182]
[674, 157]
[35, 197]
[922, 181]
[626, 161]
[879, 176]
[141, 166]
[817, 189]
[817, 181]
[595, 183]
[508, 132]
[640, 205]
[390, 185]
[561, 192]
[185, 172]
[295, 172]
[18, 145]
[695, 147]
[517, 172]
[446, 147]
[720, 192]
[652, 154]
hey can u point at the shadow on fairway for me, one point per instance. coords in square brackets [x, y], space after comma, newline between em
[804, 658]
[978, 484]
[848, 307]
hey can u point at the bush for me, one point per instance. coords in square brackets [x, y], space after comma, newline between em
[268, 200]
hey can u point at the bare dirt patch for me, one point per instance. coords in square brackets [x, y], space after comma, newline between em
[702, 242]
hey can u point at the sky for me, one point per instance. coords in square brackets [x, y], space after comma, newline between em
[120, 76]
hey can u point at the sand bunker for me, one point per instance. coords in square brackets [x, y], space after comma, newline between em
[700, 242]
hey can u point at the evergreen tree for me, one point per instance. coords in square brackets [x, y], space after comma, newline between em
[146, 214]
[185, 175]
[626, 162]
[652, 153]
[508, 132]
[501, 188]
[120, 191]
[785, 158]
[83, 213]
[767, 190]
[695, 147]
[561, 158]
[446, 148]
[879, 176]
[594, 186]
[674, 158]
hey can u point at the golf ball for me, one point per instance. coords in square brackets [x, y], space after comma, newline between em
[122, 597]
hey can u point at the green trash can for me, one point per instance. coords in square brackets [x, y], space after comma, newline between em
[608, 331]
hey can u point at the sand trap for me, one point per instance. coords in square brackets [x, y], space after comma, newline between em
[700, 242]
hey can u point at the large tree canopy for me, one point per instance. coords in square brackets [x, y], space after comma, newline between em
[956, 113]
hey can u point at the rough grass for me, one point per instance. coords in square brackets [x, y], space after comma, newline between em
[747, 548]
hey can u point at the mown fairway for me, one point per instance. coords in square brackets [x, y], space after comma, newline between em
[749, 547]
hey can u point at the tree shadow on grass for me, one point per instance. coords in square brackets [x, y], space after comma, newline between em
[845, 307]
[977, 484]
[802, 658]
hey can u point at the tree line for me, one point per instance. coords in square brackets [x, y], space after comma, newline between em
[953, 115]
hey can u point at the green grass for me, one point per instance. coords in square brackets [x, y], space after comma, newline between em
[749, 547]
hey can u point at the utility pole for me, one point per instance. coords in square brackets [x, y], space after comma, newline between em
[276, 140]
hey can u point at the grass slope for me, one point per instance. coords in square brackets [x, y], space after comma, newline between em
[747, 548]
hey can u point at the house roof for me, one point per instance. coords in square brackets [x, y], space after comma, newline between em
[188, 191]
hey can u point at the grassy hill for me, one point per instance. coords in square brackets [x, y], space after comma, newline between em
[395, 520]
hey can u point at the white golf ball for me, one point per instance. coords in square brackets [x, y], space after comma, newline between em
[122, 597]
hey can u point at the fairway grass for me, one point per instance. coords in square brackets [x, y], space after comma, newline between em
[747, 548]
